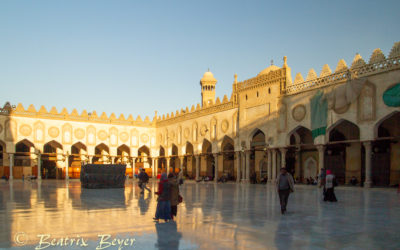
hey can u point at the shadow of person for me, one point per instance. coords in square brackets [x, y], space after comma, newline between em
[144, 203]
[284, 234]
[168, 236]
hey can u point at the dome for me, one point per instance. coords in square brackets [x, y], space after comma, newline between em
[207, 77]
[269, 69]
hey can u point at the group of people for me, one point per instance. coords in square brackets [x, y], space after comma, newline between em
[168, 197]
[285, 186]
[168, 194]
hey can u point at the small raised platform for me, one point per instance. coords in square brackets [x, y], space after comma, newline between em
[103, 176]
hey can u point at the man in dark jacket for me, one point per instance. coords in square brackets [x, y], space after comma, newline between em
[285, 185]
[143, 180]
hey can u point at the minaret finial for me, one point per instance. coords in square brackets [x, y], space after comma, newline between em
[208, 69]
[272, 62]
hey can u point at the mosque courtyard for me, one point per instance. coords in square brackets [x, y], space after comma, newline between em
[55, 214]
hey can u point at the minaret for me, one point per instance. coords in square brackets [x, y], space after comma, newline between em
[207, 84]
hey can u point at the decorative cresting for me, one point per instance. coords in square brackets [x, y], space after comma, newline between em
[341, 66]
[196, 112]
[263, 79]
[377, 56]
[359, 68]
[25, 130]
[299, 112]
[79, 133]
[298, 79]
[75, 116]
[224, 126]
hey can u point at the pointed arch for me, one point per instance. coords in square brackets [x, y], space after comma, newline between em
[189, 150]
[76, 147]
[54, 144]
[388, 126]
[206, 146]
[299, 135]
[22, 145]
[343, 130]
[227, 142]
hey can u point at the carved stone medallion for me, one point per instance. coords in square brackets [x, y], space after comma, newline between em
[79, 133]
[25, 130]
[203, 130]
[299, 112]
[102, 135]
[224, 126]
[186, 133]
[54, 132]
[342, 110]
[144, 138]
[124, 136]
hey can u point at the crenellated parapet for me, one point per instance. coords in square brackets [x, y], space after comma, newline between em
[377, 63]
[260, 80]
[197, 111]
[84, 116]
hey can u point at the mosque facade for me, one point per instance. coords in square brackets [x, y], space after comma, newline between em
[346, 120]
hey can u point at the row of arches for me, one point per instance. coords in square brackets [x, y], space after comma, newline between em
[343, 153]
[53, 159]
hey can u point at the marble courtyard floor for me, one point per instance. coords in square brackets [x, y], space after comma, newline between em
[213, 216]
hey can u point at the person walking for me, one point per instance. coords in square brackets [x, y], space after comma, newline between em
[285, 185]
[163, 210]
[143, 180]
[174, 194]
[330, 183]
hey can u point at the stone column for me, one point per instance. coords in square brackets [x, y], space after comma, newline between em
[153, 162]
[368, 170]
[273, 165]
[215, 167]
[39, 165]
[248, 165]
[156, 167]
[321, 153]
[167, 160]
[181, 159]
[283, 157]
[237, 154]
[133, 167]
[66, 166]
[11, 166]
[197, 157]
[243, 166]
[269, 165]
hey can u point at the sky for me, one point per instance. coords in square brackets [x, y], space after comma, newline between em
[137, 57]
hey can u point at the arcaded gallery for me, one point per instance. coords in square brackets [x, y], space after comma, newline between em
[346, 120]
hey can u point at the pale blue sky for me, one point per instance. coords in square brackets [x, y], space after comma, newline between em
[135, 57]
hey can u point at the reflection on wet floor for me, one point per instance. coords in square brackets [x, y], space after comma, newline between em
[212, 216]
